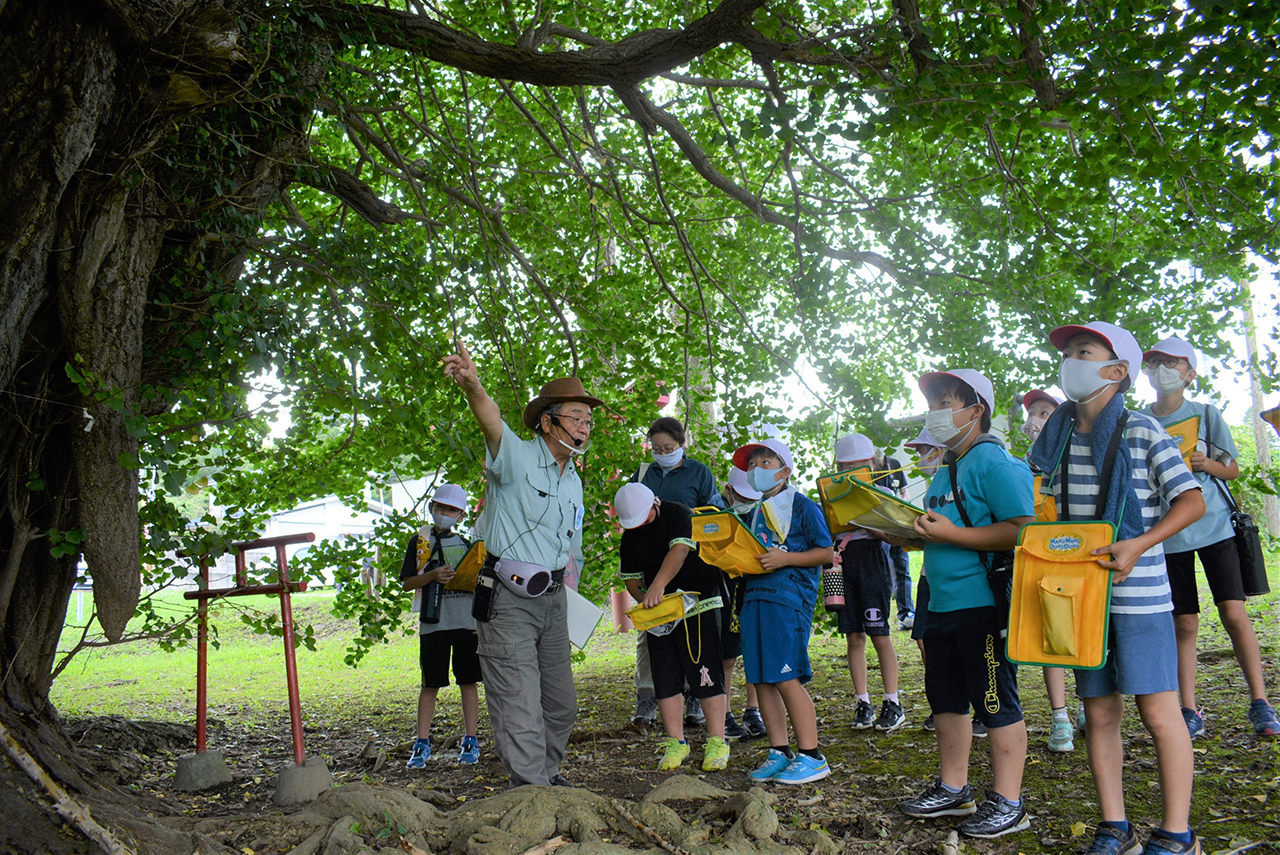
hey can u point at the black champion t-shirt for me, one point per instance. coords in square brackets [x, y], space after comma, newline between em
[646, 547]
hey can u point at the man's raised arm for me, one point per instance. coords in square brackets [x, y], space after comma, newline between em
[462, 368]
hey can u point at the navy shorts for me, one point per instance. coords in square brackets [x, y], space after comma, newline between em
[688, 655]
[775, 643]
[964, 664]
[1142, 658]
[1221, 563]
[868, 588]
[433, 657]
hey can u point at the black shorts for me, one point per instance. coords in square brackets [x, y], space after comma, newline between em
[964, 664]
[671, 658]
[1221, 563]
[433, 657]
[922, 609]
[868, 588]
[730, 632]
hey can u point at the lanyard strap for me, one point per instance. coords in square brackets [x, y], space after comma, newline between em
[1104, 477]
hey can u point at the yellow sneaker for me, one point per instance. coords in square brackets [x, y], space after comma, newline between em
[715, 756]
[673, 754]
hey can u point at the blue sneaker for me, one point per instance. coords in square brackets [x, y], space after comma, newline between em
[773, 766]
[1263, 718]
[1109, 840]
[1195, 724]
[421, 754]
[804, 770]
[1162, 844]
[470, 754]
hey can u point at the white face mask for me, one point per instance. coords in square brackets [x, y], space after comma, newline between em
[1166, 380]
[1031, 427]
[942, 427]
[443, 522]
[1079, 379]
[669, 461]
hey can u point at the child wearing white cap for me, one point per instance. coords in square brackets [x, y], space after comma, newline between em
[777, 612]
[454, 632]
[658, 557]
[1149, 494]
[1170, 367]
[868, 590]
[975, 507]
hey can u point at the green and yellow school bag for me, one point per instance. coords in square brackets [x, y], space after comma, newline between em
[724, 542]
[1060, 606]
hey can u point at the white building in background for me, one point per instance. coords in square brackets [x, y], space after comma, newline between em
[328, 518]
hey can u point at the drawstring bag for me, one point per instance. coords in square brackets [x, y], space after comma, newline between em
[675, 607]
[1060, 603]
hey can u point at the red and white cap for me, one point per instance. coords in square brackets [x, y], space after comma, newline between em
[741, 484]
[975, 380]
[854, 446]
[777, 446]
[1038, 395]
[1119, 339]
[633, 501]
[1172, 346]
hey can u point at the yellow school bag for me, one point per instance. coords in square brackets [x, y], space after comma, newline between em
[724, 542]
[1060, 606]
[849, 500]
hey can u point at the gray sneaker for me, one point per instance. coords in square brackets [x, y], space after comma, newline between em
[864, 716]
[646, 712]
[693, 715]
[997, 817]
[936, 801]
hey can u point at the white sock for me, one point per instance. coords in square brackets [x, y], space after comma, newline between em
[1060, 714]
[865, 697]
[891, 696]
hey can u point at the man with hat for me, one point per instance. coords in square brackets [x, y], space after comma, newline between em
[533, 530]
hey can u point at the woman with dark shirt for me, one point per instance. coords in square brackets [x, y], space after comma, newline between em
[672, 477]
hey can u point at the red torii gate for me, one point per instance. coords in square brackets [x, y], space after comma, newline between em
[242, 588]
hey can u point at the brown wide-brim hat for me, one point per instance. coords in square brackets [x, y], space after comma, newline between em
[559, 391]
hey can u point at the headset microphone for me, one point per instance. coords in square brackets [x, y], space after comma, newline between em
[556, 421]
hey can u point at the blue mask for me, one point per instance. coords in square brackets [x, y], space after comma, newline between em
[763, 479]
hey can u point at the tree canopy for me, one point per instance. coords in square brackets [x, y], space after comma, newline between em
[313, 199]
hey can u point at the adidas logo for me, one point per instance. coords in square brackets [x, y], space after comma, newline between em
[786, 669]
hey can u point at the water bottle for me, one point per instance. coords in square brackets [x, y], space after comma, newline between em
[432, 595]
[832, 589]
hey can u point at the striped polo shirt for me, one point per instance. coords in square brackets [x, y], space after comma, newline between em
[1158, 473]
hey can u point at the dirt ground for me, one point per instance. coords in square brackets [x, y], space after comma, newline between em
[1237, 801]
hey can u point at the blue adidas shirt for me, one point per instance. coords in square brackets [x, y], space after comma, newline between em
[994, 486]
[796, 587]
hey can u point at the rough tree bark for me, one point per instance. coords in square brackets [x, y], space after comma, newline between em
[107, 227]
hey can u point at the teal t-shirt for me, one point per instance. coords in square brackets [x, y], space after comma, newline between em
[1215, 525]
[994, 486]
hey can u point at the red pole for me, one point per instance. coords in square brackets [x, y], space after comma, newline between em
[202, 665]
[290, 658]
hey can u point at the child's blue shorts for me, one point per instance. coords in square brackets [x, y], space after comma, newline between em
[1142, 658]
[775, 643]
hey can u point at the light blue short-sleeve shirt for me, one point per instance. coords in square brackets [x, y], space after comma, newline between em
[1215, 525]
[533, 510]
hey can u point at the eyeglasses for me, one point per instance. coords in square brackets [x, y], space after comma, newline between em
[669, 449]
[585, 421]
